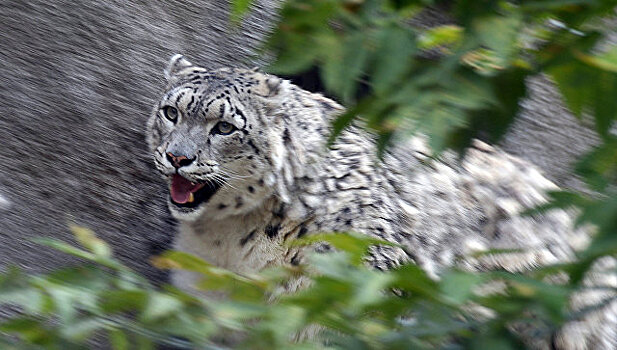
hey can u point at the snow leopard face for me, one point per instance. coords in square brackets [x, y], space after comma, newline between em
[211, 139]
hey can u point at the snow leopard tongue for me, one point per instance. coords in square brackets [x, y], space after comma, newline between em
[182, 188]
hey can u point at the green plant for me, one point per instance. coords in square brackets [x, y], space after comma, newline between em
[352, 303]
[476, 77]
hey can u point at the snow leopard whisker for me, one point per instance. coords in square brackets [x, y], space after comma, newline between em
[227, 176]
[210, 182]
[233, 174]
[230, 170]
[222, 181]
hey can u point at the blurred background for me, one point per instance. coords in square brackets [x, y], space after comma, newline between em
[78, 81]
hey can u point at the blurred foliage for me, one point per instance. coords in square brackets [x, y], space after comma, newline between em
[473, 86]
[452, 82]
[355, 306]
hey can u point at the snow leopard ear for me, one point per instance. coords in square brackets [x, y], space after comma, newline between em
[176, 64]
[270, 86]
[273, 91]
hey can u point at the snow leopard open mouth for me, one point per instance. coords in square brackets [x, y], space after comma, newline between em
[186, 194]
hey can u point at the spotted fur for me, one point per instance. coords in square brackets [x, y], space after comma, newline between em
[281, 182]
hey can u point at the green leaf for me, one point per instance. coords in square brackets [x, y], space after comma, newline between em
[16, 289]
[27, 328]
[368, 106]
[369, 289]
[118, 339]
[69, 249]
[605, 103]
[278, 323]
[587, 86]
[405, 4]
[438, 124]
[295, 56]
[114, 301]
[293, 61]
[545, 299]
[302, 36]
[543, 5]
[356, 245]
[413, 279]
[494, 343]
[383, 141]
[606, 61]
[238, 9]
[602, 214]
[457, 286]
[186, 261]
[444, 35]
[88, 239]
[307, 15]
[576, 82]
[558, 199]
[160, 305]
[598, 168]
[395, 55]
[342, 69]
[194, 326]
[65, 248]
[336, 265]
[234, 315]
[86, 278]
[81, 329]
[510, 89]
[240, 287]
[180, 260]
[32, 300]
[71, 290]
[499, 33]
[144, 343]
[63, 303]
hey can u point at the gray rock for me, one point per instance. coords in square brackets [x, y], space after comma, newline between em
[548, 135]
[5, 204]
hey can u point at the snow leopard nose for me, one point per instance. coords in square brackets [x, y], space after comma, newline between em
[179, 161]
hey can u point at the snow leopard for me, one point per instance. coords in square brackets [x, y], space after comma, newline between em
[246, 159]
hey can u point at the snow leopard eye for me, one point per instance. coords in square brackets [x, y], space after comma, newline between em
[223, 128]
[170, 113]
